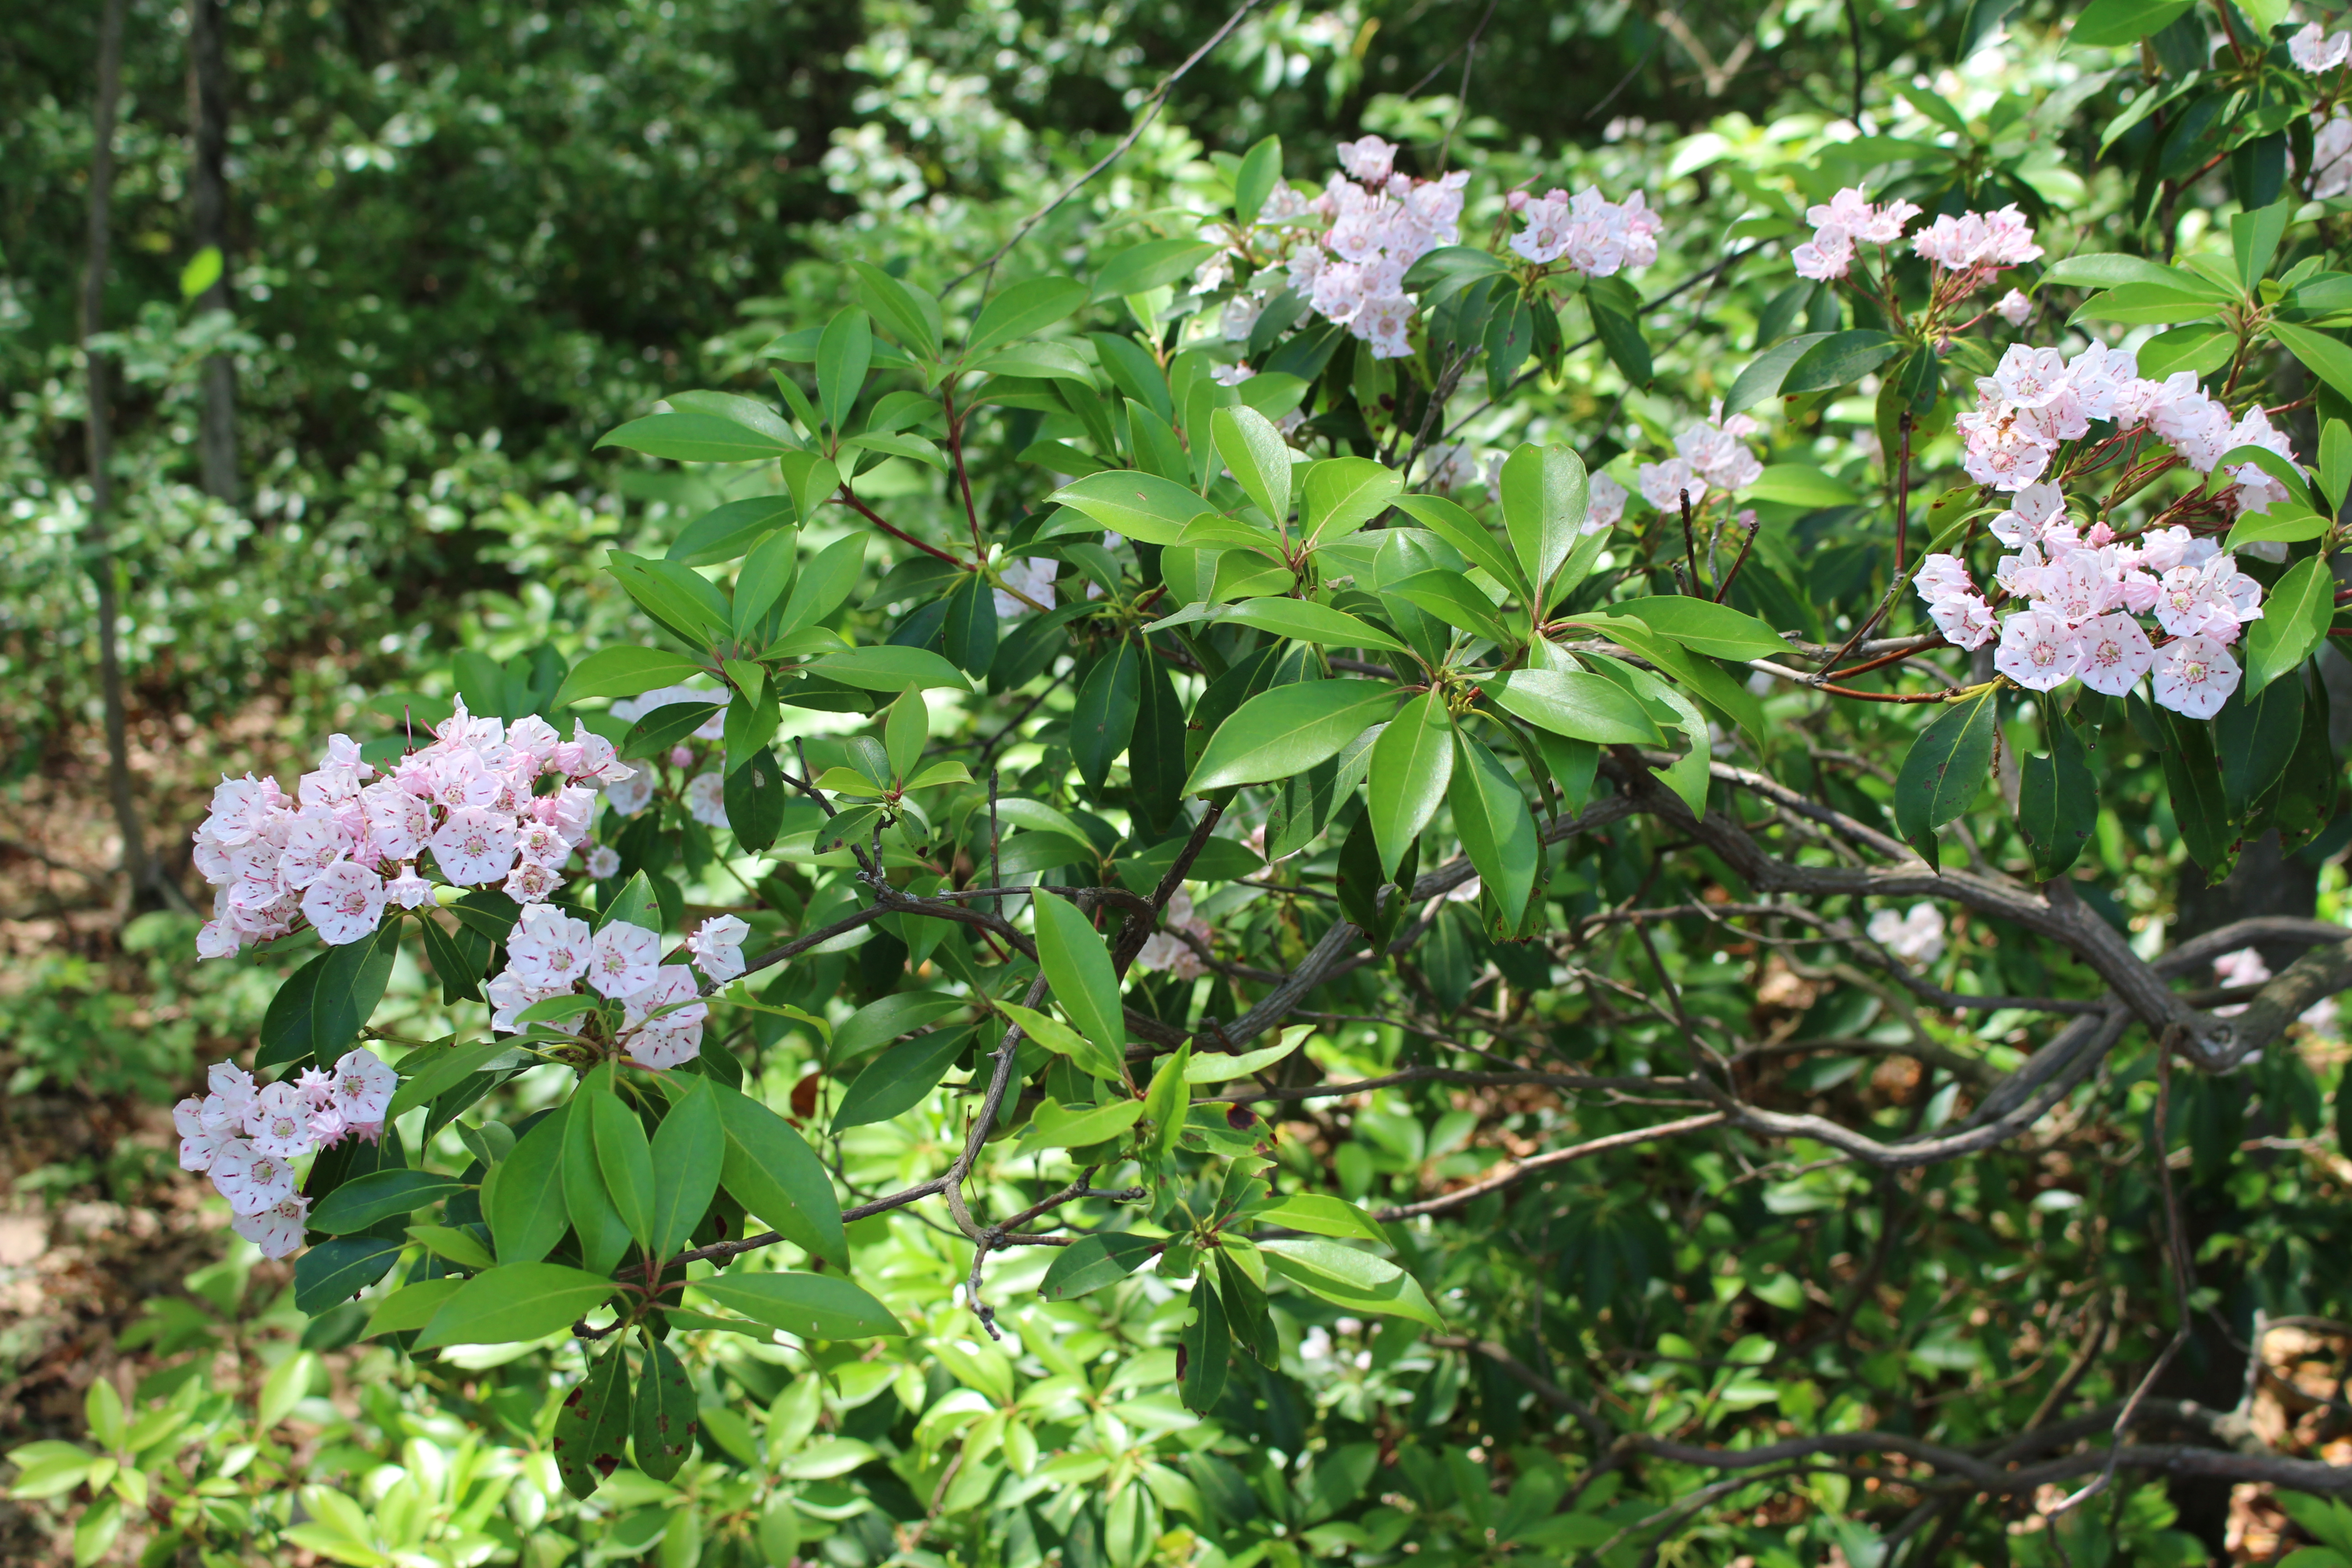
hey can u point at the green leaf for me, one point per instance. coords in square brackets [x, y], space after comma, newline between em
[524, 1200]
[884, 1019]
[843, 357]
[2254, 240]
[811, 1306]
[203, 269]
[906, 312]
[754, 795]
[1455, 601]
[776, 1176]
[1497, 831]
[1446, 272]
[1166, 1102]
[1339, 495]
[2109, 24]
[899, 1078]
[2336, 464]
[286, 1026]
[337, 1269]
[1206, 1349]
[2295, 620]
[1304, 620]
[1544, 491]
[1466, 533]
[1621, 340]
[624, 672]
[48, 1468]
[1026, 308]
[592, 1425]
[1837, 360]
[813, 479]
[1258, 455]
[2144, 304]
[2109, 269]
[664, 1427]
[460, 1246]
[1346, 1277]
[2255, 736]
[969, 637]
[1140, 268]
[1254, 182]
[890, 668]
[1078, 965]
[1057, 1126]
[825, 584]
[1411, 763]
[1580, 706]
[1217, 1066]
[1287, 730]
[767, 572]
[627, 1160]
[604, 1236]
[410, 1307]
[1764, 374]
[1705, 626]
[1800, 484]
[442, 1071]
[379, 1196]
[2284, 522]
[2057, 801]
[692, 435]
[1945, 768]
[689, 1148]
[1128, 501]
[2320, 354]
[2192, 777]
[349, 983]
[1092, 1262]
[515, 1301]
[1320, 1214]
[1102, 720]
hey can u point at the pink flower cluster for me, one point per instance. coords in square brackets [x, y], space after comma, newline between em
[2036, 400]
[2083, 590]
[1972, 248]
[1708, 452]
[341, 849]
[1381, 222]
[1847, 219]
[551, 953]
[1597, 237]
[248, 1136]
[1981, 244]
[2314, 50]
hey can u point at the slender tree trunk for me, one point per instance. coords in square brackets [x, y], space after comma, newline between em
[208, 199]
[146, 878]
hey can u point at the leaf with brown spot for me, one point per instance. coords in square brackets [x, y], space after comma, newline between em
[594, 1423]
[665, 1406]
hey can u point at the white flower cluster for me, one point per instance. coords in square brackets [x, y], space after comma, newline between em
[2036, 400]
[1381, 222]
[2314, 50]
[247, 1137]
[551, 953]
[1596, 237]
[1839, 224]
[1163, 949]
[1708, 452]
[340, 849]
[1916, 934]
[2083, 591]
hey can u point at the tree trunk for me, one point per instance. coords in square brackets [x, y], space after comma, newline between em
[208, 200]
[147, 881]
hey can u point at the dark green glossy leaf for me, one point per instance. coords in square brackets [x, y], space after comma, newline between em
[1945, 768]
